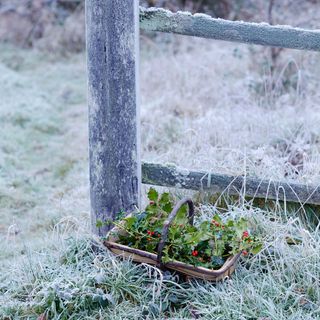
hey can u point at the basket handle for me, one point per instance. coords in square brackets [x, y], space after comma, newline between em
[168, 222]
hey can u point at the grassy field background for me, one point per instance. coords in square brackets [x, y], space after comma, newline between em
[204, 104]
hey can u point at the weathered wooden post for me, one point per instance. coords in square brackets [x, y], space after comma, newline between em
[112, 59]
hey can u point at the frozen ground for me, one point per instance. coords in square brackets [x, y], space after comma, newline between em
[205, 105]
[42, 160]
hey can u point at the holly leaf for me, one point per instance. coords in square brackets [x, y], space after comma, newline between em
[153, 194]
[256, 249]
[150, 247]
[191, 238]
[243, 224]
[130, 221]
[167, 207]
[165, 198]
[219, 248]
[181, 217]
[217, 218]
[230, 223]
[204, 226]
[99, 224]
[196, 237]
[240, 227]
[205, 236]
[165, 256]
[152, 209]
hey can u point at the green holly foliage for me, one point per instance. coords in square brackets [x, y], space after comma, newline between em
[208, 244]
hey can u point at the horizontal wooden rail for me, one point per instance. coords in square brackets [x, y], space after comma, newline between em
[172, 176]
[201, 25]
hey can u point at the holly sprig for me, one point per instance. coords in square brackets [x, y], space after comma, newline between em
[208, 244]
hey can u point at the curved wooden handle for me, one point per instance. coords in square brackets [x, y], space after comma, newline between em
[168, 222]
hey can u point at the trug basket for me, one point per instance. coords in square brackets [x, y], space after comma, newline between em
[156, 259]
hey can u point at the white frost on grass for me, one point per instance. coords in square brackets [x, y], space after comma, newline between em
[40, 131]
[282, 282]
[200, 110]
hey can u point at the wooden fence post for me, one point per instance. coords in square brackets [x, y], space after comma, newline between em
[114, 146]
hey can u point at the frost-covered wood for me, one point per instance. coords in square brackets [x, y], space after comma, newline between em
[201, 25]
[112, 58]
[172, 176]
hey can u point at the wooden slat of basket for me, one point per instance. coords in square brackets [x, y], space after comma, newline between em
[195, 272]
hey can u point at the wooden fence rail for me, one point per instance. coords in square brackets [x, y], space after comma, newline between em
[201, 25]
[172, 176]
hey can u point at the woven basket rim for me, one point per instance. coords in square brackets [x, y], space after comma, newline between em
[172, 264]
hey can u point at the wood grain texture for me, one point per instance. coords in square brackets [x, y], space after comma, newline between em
[201, 25]
[172, 176]
[112, 60]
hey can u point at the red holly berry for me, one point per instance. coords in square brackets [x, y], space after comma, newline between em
[152, 203]
[245, 235]
[245, 253]
[195, 253]
[216, 223]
